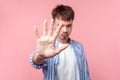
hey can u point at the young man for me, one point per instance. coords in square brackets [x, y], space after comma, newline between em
[60, 57]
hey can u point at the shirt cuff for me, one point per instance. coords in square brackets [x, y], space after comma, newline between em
[37, 66]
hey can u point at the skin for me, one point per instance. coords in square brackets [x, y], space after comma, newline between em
[58, 30]
[65, 31]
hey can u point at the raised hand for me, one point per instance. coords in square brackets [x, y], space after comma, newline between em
[46, 43]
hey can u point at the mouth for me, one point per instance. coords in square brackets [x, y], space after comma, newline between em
[64, 35]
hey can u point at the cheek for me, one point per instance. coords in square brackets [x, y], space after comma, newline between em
[70, 30]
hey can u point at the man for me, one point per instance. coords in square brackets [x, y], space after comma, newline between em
[60, 57]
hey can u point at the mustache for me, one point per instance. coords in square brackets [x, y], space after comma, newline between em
[65, 33]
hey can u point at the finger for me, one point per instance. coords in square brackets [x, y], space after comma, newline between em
[51, 27]
[45, 28]
[62, 48]
[36, 31]
[57, 31]
[42, 39]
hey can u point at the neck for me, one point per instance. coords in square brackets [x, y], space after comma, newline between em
[66, 41]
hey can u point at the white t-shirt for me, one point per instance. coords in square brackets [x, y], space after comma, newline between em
[67, 68]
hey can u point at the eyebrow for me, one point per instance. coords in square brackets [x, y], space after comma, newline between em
[57, 24]
[67, 25]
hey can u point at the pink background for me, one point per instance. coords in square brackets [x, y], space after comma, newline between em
[96, 26]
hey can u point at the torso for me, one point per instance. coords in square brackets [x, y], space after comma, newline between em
[67, 68]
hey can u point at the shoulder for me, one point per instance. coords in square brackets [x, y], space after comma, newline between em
[77, 43]
[78, 47]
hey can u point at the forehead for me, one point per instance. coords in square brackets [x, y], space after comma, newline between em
[59, 20]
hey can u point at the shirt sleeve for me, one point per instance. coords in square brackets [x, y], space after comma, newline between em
[86, 70]
[37, 66]
[83, 62]
[85, 65]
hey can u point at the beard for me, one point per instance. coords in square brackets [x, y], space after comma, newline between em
[64, 36]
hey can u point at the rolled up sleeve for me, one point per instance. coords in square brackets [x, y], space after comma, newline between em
[37, 66]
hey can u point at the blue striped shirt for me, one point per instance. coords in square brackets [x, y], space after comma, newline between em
[49, 66]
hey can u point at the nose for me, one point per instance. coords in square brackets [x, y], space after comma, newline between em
[64, 29]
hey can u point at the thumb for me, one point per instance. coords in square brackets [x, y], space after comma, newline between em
[62, 48]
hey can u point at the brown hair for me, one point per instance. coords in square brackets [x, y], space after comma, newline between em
[64, 12]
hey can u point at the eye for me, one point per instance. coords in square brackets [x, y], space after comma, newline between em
[58, 25]
[70, 25]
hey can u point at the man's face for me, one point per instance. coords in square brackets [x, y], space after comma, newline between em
[65, 30]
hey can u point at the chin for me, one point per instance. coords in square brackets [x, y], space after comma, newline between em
[64, 38]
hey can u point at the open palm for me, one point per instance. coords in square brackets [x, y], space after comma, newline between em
[46, 43]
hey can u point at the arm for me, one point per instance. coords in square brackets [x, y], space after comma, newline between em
[37, 65]
[83, 61]
[46, 44]
[85, 66]
[36, 58]
[87, 75]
